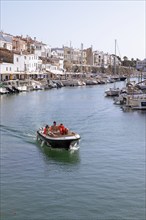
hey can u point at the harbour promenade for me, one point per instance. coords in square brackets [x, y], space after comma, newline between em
[132, 95]
[58, 81]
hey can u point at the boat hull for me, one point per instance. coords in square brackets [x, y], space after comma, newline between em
[112, 92]
[123, 78]
[63, 141]
[141, 106]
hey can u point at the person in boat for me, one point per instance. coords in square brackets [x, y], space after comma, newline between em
[54, 128]
[46, 129]
[62, 129]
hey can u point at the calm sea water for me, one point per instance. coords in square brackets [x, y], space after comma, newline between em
[103, 180]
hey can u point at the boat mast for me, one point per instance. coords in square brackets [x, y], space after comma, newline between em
[70, 57]
[115, 58]
[81, 57]
[115, 64]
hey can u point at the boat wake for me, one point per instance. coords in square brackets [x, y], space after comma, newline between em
[74, 148]
[27, 136]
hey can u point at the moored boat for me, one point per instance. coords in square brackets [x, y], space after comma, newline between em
[112, 92]
[65, 141]
[141, 105]
[122, 78]
[136, 102]
[3, 90]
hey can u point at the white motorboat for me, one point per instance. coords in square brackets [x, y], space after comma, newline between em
[22, 88]
[65, 141]
[112, 92]
[3, 90]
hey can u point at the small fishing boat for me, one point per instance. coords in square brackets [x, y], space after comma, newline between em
[65, 141]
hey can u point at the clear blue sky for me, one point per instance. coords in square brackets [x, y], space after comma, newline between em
[96, 23]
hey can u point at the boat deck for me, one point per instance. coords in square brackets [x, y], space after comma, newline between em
[58, 135]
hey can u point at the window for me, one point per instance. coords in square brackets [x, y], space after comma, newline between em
[10, 69]
[143, 103]
[6, 68]
[17, 59]
[5, 45]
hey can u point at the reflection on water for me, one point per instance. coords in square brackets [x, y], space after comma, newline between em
[128, 109]
[60, 155]
[106, 175]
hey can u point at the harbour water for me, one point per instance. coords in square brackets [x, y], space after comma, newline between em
[104, 179]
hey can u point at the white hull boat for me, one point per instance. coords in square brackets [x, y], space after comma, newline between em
[59, 141]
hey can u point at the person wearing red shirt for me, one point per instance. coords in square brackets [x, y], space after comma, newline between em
[62, 129]
[46, 129]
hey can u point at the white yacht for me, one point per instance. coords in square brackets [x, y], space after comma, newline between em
[136, 101]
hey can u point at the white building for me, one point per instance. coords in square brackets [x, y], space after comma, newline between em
[5, 41]
[77, 57]
[98, 58]
[57, 53]
[141, 65]
[54, 69]
[6, 71]
[27, 63]
[23, 64]
[40, 49]
[101, 59]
